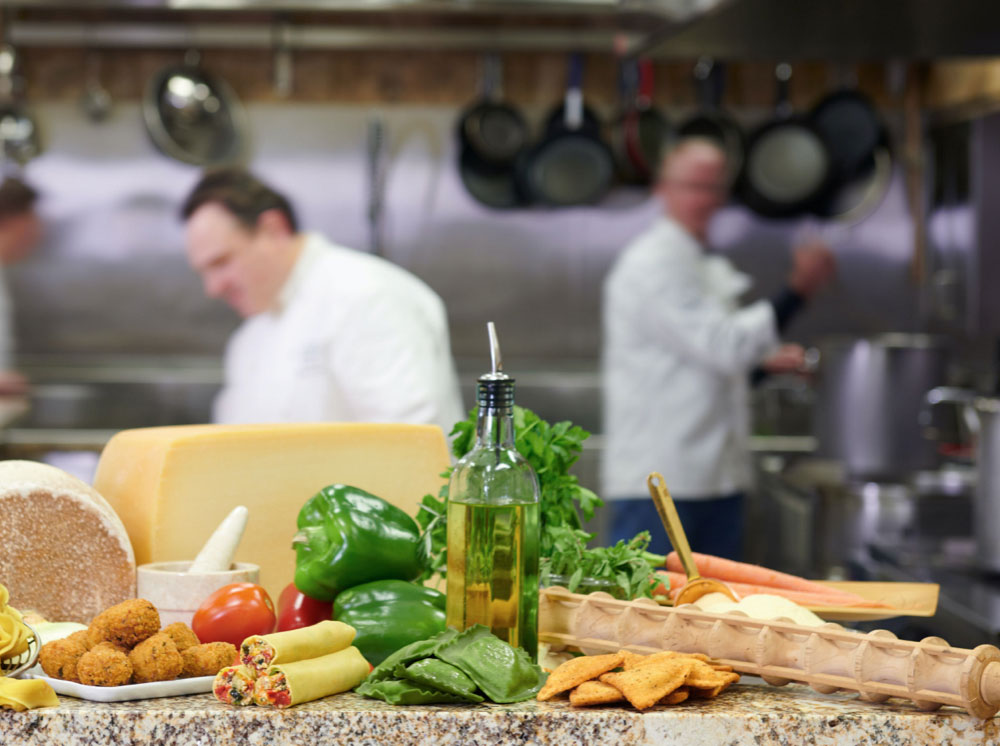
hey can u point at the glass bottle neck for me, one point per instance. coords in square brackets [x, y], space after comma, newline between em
[495, 427]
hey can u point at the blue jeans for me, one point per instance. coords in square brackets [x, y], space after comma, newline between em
[713, 526]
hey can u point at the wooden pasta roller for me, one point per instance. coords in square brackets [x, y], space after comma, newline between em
[829, 658]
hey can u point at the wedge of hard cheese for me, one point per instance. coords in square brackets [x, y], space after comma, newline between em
[63, 551]
[173, 485]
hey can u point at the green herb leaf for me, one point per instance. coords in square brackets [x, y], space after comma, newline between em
[551, 450]
[625, 567]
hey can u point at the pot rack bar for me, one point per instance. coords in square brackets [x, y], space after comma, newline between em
[626, 26]
[229, 36]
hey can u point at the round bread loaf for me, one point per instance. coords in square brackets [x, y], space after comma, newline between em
[63, 550]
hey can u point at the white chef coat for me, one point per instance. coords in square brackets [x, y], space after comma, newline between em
[353, 338]
[677, 351]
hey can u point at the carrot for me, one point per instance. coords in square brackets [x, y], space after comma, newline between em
[741, 572]
[677, 581]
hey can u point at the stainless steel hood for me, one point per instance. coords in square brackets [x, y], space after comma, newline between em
[726, 29]
[586, 25]
[844, 29]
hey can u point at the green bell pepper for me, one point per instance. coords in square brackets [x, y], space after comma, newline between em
[390, 614]
[348, 537]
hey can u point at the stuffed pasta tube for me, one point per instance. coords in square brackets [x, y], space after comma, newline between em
[258, 652]
[287, 684]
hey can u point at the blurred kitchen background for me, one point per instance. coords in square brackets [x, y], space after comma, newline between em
[352, 108]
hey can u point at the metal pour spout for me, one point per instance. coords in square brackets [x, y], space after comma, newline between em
[495, 357]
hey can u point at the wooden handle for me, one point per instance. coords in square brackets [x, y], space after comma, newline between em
[672, 522]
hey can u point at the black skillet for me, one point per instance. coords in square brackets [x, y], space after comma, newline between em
[493, 129]
[711, 121]
[860, 151]
[571, 165]
[788, 169]
[491, 135]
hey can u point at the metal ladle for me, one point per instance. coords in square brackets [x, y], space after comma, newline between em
[696, 586]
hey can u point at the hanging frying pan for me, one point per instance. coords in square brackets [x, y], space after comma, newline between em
[711, 121]
[491, 136]
[20, 139]
[860, 154]
[193, 116]
[788, 168]
[642, 132]
[494, 130]
[571, 165]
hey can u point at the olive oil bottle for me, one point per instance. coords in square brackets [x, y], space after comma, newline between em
[493, 523]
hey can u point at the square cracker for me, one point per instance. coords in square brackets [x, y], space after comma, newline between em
[634, 660]
[572, 673]
[644, 686]
[594, 693]
[704, 676]
[676, 697]
[707, 682]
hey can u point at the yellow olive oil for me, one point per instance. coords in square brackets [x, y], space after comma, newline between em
[493, 570]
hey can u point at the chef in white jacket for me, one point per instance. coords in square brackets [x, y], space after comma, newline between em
[20, 232]
[330, 334]
[678, 350]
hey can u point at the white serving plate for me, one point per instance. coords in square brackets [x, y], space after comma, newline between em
[152, 690]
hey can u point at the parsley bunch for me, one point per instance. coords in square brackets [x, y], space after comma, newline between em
[551, 450]
[626, 568]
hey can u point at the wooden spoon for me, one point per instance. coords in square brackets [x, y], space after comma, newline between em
[696, 586]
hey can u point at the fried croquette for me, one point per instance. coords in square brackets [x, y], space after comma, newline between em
[125, 624]
[104, 665]
[82, 637]
[60, 658]
[156, 659]
[208, 659]
[182, 635]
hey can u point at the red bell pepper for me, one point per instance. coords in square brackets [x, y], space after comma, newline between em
[296, 609]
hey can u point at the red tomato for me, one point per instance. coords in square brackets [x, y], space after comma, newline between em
[296, 609]
[234, 613]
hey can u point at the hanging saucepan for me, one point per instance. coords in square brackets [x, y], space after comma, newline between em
[20, 140]
[642, 132]
[788, 169]
[711, 121]
[491, 135]
[860, 154]
[571, 165]
[193, 116]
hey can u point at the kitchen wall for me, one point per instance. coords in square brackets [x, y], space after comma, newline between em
[111, 276]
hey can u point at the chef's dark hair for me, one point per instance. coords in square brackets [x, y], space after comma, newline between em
[242, 194]
[16, 198]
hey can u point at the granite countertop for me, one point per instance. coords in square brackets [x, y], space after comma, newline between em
[748, 713]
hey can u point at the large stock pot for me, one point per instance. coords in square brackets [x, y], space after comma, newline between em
[869, 396]
[983, 419]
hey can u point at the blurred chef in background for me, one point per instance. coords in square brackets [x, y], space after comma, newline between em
[330, 334]
[20, 232]
[678, 351]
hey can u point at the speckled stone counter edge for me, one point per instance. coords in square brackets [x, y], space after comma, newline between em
[746, 714]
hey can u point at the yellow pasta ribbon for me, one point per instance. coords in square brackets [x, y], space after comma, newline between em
[13, 633]
[20, 695]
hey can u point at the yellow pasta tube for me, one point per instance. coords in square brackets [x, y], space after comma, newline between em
[21, 695]
[290, 684]
[260, 651]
